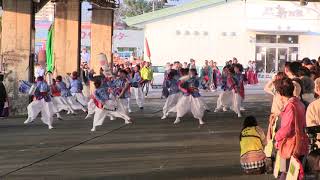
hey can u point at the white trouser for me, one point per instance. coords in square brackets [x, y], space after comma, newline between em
[61, 104]
[128, 100]
[190, 104]
[86, 91]
[101, 114]
[122, 106]
[46, 109]
[236, 102]
[171, 102]
[91, 107]
[81, 99]
[139, 96]
[224, 99]
[75, 105]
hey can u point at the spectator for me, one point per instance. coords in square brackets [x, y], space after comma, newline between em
[313, 111]
[39, 71]
[234, 60]
[147, 76]
[306, 62]
[291, 139]
[3, 97]
[85, 56]
[216, 74]
[206, 76]
[185, 65]
[192, 64]
[252, 142]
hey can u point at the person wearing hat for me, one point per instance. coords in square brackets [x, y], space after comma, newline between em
[3, 96]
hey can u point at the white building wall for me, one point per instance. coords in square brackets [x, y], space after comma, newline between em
[229, 30]
[128, 38]
[309, 46]
[209, 37]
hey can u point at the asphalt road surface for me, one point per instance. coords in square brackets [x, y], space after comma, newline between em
[150, 148]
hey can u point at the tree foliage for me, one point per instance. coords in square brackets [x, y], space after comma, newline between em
[131, 8]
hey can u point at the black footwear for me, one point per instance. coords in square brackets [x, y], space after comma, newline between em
[141, 108]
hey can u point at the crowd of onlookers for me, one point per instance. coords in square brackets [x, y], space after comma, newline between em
[295, 106]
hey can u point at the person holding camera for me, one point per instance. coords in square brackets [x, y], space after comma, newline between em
[313, 111]
[291, 140]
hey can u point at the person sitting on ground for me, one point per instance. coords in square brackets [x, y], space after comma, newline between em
[252, 142]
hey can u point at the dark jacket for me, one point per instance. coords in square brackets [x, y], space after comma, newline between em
[3, 92]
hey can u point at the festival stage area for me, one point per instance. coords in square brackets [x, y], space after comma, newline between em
[149, 149]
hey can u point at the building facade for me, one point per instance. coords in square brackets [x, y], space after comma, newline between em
[269, 32]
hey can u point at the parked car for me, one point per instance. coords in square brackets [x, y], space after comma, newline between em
[158, 76]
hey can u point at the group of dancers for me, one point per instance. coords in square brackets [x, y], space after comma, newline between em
[112, 94]
[110, 97]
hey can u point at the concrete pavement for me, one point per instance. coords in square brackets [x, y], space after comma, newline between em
[149, 149]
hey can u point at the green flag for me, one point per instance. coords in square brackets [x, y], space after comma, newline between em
[49, 50]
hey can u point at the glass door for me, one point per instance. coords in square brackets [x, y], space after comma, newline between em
[271, 63]
[282, 58]
[272, 59]
[266, 59]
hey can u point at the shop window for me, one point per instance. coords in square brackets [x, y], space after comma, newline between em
[262, 38]
[288, 39]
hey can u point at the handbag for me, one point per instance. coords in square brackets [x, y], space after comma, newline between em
[291, 146]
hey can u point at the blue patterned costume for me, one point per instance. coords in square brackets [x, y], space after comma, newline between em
[76, 86]
[42, 91]
[191, 87]
[62, 87]
[172, 86]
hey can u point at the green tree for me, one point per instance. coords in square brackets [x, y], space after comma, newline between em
[131, 8]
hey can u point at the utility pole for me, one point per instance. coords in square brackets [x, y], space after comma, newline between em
[153, 5]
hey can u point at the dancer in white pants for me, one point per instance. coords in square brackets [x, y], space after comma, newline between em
[171, 84]
[106, 82]
[76, 90]
[106, 105]
[230, 92]
[190, 101]
[41, 103]
[136, 86]
[67, 96]
[60, 103]
[241, 81]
